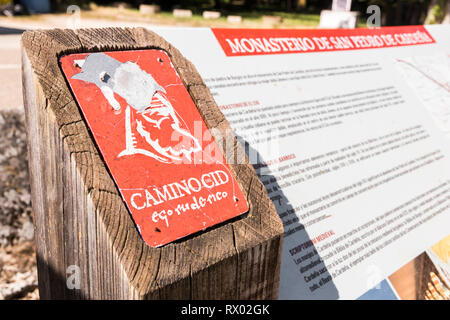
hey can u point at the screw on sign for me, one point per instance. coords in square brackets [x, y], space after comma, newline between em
[162, 157]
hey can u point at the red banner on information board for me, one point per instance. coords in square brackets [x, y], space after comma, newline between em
[168, 168]
[242, 42]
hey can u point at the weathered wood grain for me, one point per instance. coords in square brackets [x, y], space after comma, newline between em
[81, 220]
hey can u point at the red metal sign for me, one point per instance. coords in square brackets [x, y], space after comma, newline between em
[169, 170]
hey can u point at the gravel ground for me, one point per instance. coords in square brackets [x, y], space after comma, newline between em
[18, 274]
[18, 278]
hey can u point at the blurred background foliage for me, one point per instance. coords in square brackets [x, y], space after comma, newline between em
[394, 12]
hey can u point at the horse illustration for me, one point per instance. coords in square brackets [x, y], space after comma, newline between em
[152, 126]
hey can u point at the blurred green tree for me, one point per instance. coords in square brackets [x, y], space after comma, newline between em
[394, 12]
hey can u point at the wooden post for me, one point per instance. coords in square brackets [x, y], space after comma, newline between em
[82, 225]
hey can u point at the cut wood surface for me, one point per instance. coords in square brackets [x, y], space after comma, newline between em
[81, 220]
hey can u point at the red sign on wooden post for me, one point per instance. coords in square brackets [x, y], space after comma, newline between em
[168, 168]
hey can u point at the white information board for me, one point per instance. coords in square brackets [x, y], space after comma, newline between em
[352, 131]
